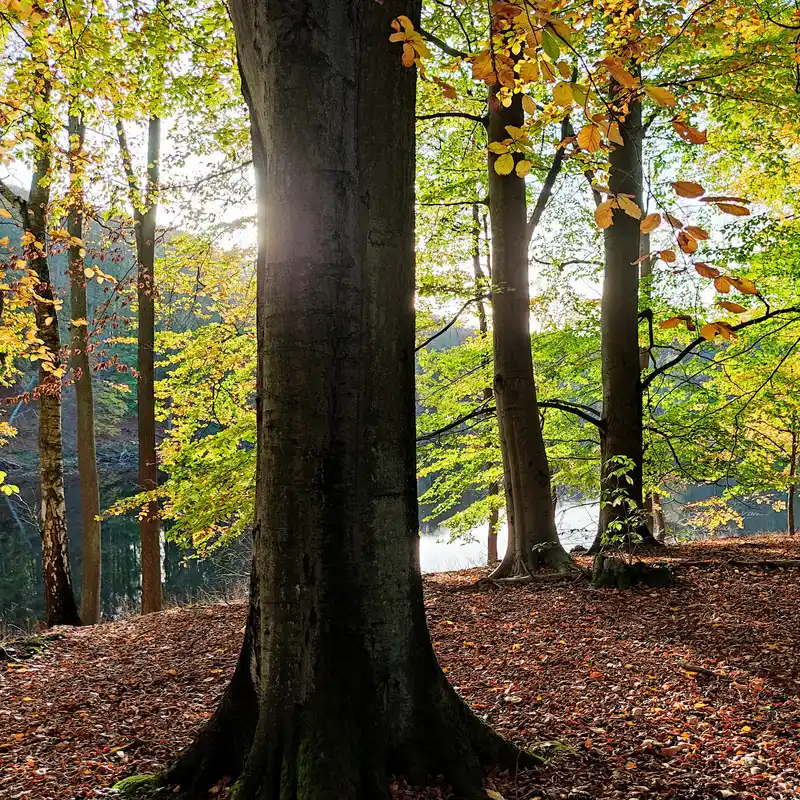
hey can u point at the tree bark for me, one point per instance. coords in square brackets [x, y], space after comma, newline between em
[340, 664]
[792, 475]
[84, 399]
[483, 327]
[59, 600]
[621, 501]
[534, 543]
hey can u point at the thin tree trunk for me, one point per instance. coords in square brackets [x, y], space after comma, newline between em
[535, 542]
[792, 476]
[59, 599]
[621, 512]
[145, 211]
[84, 400]
[483, 327]
[340, 660]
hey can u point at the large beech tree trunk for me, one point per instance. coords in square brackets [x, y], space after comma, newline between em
[84, 399]
[59, 600]
[337, 685]
[621, 512]
[533, 543]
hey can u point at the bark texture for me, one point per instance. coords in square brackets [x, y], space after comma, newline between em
[145, 212]
[338, 661]
[621, 513]
[84, 399]
[59, 599]
[534, 542]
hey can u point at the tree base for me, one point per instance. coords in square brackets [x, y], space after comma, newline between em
[144, 787]
[615, 573]
[550, 559]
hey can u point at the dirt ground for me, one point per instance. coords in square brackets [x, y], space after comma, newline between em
[687, 692]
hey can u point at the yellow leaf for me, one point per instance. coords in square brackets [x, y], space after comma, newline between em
[4, 241]
[604, 214]
[504, 164]
[688, 189]
[80, 322]
[5, 214]
[562, 94]
[498, 147]
[528, 105]
[529, 71]
[731, 208]
[614, 135]
[734, 308]
[523, 168]
[629, 207]
[515, 133]
[89, 272]
[589, 138]
[659, 95]
[21, 263]
[650, 223]
[494, 795]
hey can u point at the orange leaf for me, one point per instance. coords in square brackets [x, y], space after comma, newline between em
[697, 232]
[673, 221]
[706, 271]
[722, 284]
[650, 223]
[744, 285]
[687, 243]
[736, 211]
[734, 308]
[688, 189]
[668, 256]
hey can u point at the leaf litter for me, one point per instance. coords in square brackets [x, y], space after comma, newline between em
[690, 692]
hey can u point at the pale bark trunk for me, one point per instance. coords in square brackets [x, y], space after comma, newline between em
[59, 600]
[483, 327]
[534, 543]
[341, 664]
[84, 400]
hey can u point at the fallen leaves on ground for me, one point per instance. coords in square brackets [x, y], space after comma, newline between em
[688, 692]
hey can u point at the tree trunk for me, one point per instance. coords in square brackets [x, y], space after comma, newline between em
[621, 513]
[149, 527]
[340, 662]
[59, 600]
[535, 542]
[483, 327]
[792, 476]
[84, 401]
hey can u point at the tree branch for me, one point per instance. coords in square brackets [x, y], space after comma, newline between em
[449, 324]
[484, 120]
[442, 45]
[11, 197]
[549, 181]
[482, 410]
[647, 380]
[586, 413]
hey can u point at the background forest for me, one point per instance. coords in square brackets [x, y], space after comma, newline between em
[663, 312]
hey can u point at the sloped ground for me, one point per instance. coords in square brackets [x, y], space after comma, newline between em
[688, 692]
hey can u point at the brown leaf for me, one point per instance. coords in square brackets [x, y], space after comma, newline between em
[688, 189]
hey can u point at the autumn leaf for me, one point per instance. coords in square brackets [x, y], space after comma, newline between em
[629, 206]
[672, 322]
[673, 221]
[562, 94]
[504, 164]
[708, 332]
[528, 72]
[689, 134]
[734, 308]
[589, 138]
[706, 271]
[744, 285]
[667, 256]
[688, 189]
[604, 214]
[687, 243]
[735, 210]
[523, 168]
[515, 133]
[498, 147]
[659, 95]
[650, 223]
[699, 233]
[617, 71]
[5, 214]
[722, 284]
[528, 105]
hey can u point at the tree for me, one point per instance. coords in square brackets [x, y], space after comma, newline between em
[84, 395]
[60, 606]
[337, 685]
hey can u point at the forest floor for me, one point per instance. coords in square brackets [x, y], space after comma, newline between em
[687, 692]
